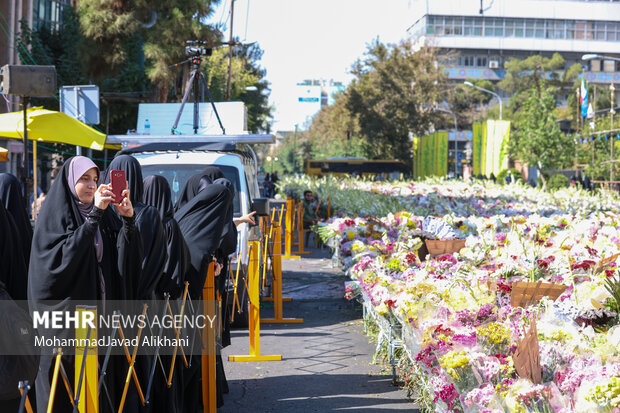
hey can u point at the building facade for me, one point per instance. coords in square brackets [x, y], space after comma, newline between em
[485, 34]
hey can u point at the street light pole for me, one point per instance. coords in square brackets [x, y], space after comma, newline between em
[488, 91]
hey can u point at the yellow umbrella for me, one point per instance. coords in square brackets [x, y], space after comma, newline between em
[4, 154]
[50, 126]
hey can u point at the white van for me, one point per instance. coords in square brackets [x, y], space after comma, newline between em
[177, 158]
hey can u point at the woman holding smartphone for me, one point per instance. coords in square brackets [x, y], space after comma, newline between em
[78, 255]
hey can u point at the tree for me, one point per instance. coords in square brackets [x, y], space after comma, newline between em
[522, 74]
[393, 96]
[538, 140]
[463, 100]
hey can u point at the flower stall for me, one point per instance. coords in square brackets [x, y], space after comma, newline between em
[519, 314]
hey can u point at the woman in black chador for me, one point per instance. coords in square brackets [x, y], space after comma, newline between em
[149, 226]
[157, 194]
[79, 254]
[11, 197]
[142, 287]
[204, 212]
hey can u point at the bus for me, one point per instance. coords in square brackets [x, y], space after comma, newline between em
[385, 169]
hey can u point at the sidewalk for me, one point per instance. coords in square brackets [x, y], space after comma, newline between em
[326, 361]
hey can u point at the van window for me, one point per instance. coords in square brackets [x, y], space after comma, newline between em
[177, 175]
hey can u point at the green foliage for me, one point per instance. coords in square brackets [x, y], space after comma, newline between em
[393, 95]
[558, 181]
[467, 102]
[539, 141]
[516, 175]
[534, 71]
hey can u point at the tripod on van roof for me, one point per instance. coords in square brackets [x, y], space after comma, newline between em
[196, 80]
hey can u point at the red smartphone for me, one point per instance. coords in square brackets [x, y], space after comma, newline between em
[119, 182]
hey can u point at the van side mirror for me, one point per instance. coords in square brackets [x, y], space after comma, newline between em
[261, 206]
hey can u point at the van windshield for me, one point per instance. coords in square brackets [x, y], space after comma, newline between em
[177, 176]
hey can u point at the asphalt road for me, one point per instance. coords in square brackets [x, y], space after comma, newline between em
[326, 361]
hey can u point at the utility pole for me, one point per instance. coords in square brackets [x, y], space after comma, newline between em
[612, 112]
[230, 51]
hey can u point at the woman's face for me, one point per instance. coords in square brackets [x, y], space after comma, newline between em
[87, 185]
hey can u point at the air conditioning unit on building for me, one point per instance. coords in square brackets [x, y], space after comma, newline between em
[493, 64]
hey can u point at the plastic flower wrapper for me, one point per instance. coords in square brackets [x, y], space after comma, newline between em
[605, 394]
[524, 396]
[457, 366]
[439, 228]
[483, 399]
[494, 338]
[352, 289]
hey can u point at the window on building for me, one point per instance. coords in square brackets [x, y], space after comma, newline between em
[599, 30]
[580, 30]
[509, 27]
[609, 66]
[612, 32]
[529, 28]
[589, 30]
[595, 65]
[519, 24]
[539, 28]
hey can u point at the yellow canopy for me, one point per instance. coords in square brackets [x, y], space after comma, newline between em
[50, 126]
[4, 154]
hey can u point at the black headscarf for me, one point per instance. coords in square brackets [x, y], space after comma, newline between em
[157, 194]
[13, 201]
[13, 272]
[202, 221]
[149, 226]
[198, 182]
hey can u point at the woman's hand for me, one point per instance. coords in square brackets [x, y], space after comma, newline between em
[103, 196]
[245, 219]
[125, 208]
[217, 267]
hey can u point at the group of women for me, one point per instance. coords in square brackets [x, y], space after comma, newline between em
[89, 245]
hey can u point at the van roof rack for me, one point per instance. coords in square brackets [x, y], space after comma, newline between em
[135, 141]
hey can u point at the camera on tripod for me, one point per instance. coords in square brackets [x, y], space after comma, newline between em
[196, 48]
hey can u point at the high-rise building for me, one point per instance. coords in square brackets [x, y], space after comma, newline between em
[485, 34]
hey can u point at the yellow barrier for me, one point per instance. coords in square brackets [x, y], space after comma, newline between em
[209, 396]
[132, 372]
[86, 378]
[276, 289]
[288, 232]
[300, 229]
[254, 311]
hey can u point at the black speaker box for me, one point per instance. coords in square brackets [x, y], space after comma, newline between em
[28, 80]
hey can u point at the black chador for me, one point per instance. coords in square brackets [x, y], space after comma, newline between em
[202, 218]
[150, 227]
[11, 197]
[13, 271]
[78, 254]
[142, 287]
[157, 194]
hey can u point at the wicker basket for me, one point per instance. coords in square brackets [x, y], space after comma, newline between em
[438, 247]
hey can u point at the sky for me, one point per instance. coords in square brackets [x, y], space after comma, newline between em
[311, 39]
